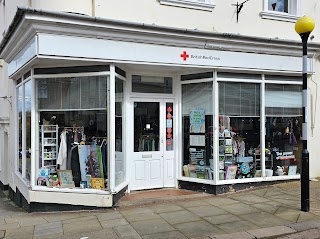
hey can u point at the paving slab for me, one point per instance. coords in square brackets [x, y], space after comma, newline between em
[303, 226]
[54, 217]
[81, 226]
[223, 219]
[132, 236]
[152, 226]
[204, 211]
[179, 217]
[48, 229]
[141, 217]
[219, 201]
[237, 226]
[2, 234]
[166, 235]
[238, 235]
[109, 216]
[113, 223]
[49, 236]
[310, 234]
[79, 219]
[250, 199]
[98, 234]
[125, 230]
[271, 232]
[239, 208]
[198, 229]
[136, 211]
[166, 208]
[270, 207]
[9, 226]
[307, 216]
[192, 203]
[264, 219]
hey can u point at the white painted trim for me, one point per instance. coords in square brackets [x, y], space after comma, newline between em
[262, 128]
[69, 190]
[208, 5]
[111, 128]
[216, 128]
[283, 82]
[33, 132]
[279, 16]
[238, 80]
[44, 110]
[120, 187]
[23, 136]
[84, 74]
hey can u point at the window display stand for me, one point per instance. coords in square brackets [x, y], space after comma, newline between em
[49, 147]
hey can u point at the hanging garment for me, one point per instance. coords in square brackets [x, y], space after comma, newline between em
[62, 156]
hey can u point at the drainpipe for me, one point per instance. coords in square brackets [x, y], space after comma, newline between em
[93, 13]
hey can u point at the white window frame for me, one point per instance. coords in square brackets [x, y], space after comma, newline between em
[283, 16]
[206, 5]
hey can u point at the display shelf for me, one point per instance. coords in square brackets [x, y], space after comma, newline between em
[49, 146]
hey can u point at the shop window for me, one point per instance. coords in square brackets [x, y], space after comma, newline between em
[73, 132]
[120, 172]
[286, 10]
[20, 126]
[239, 130]
[197, 120]
[283, 129]
[151, 84]
[206, 5]
[27, 107]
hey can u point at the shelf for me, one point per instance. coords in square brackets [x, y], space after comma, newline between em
[49, 158]
[49, 145]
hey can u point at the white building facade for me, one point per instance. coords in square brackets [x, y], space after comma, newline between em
[97, 101]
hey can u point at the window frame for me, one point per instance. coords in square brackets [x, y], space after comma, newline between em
[205, 5]
[283, 16]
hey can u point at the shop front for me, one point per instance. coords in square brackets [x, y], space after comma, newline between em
[97, 117]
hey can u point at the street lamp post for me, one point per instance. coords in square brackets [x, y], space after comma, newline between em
[304, 26]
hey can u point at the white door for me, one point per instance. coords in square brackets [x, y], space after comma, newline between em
[152, 161]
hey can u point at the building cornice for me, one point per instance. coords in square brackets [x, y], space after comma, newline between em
[28, 22]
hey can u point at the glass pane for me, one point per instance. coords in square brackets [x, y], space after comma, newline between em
[20, 101]
[27, 95]
[239, 131]
[283, 129]
[120, 161]
[197, 119]
[72, 93]
[169, 126]
[151, 84]
[278, 5]
[146, 126]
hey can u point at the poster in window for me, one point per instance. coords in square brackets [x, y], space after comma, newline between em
[90, 158]
[197, 120]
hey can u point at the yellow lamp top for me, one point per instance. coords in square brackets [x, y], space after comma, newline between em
[304, 24]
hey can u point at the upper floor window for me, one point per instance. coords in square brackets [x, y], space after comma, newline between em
[206, 5]
[284, 10]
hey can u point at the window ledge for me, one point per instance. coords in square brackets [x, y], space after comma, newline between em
[189, 4]
[279, 16]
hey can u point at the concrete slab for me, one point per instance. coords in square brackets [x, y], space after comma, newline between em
[192, 203]
[264, 219]
[250, 199]
[133, 236]
[303, 226]
[179, 217]
[2, 234]
[152, 227]
[237, 226]
[141, 217]
[49, 236]
[310, 234]
[239, 208]
[109, 216]
[9, 226]
[198, 229]
[114, 223]
[291, 216]
[307, 216]
[271, 232]
[79, 219]
[125, 230]
[136, 211]
[82, 226]
[166, 208]
[204, 211]
[260, 192]
[238, 235]
[48, 229]
[166, 235]
[20, 231]
[219, 201]
[270, 207]
[54, 217]
[223, 219]
[98, 234]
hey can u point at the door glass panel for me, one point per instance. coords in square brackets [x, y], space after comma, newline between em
[169, 126]
[146, 126]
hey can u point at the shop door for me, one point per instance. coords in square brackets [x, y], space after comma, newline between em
[153, 156]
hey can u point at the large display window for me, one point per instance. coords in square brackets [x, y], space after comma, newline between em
[283, 129]
[239, 130]
[197, 128]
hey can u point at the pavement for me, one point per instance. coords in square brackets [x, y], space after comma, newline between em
[267, 212]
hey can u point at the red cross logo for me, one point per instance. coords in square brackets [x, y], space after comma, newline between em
[184, 55]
